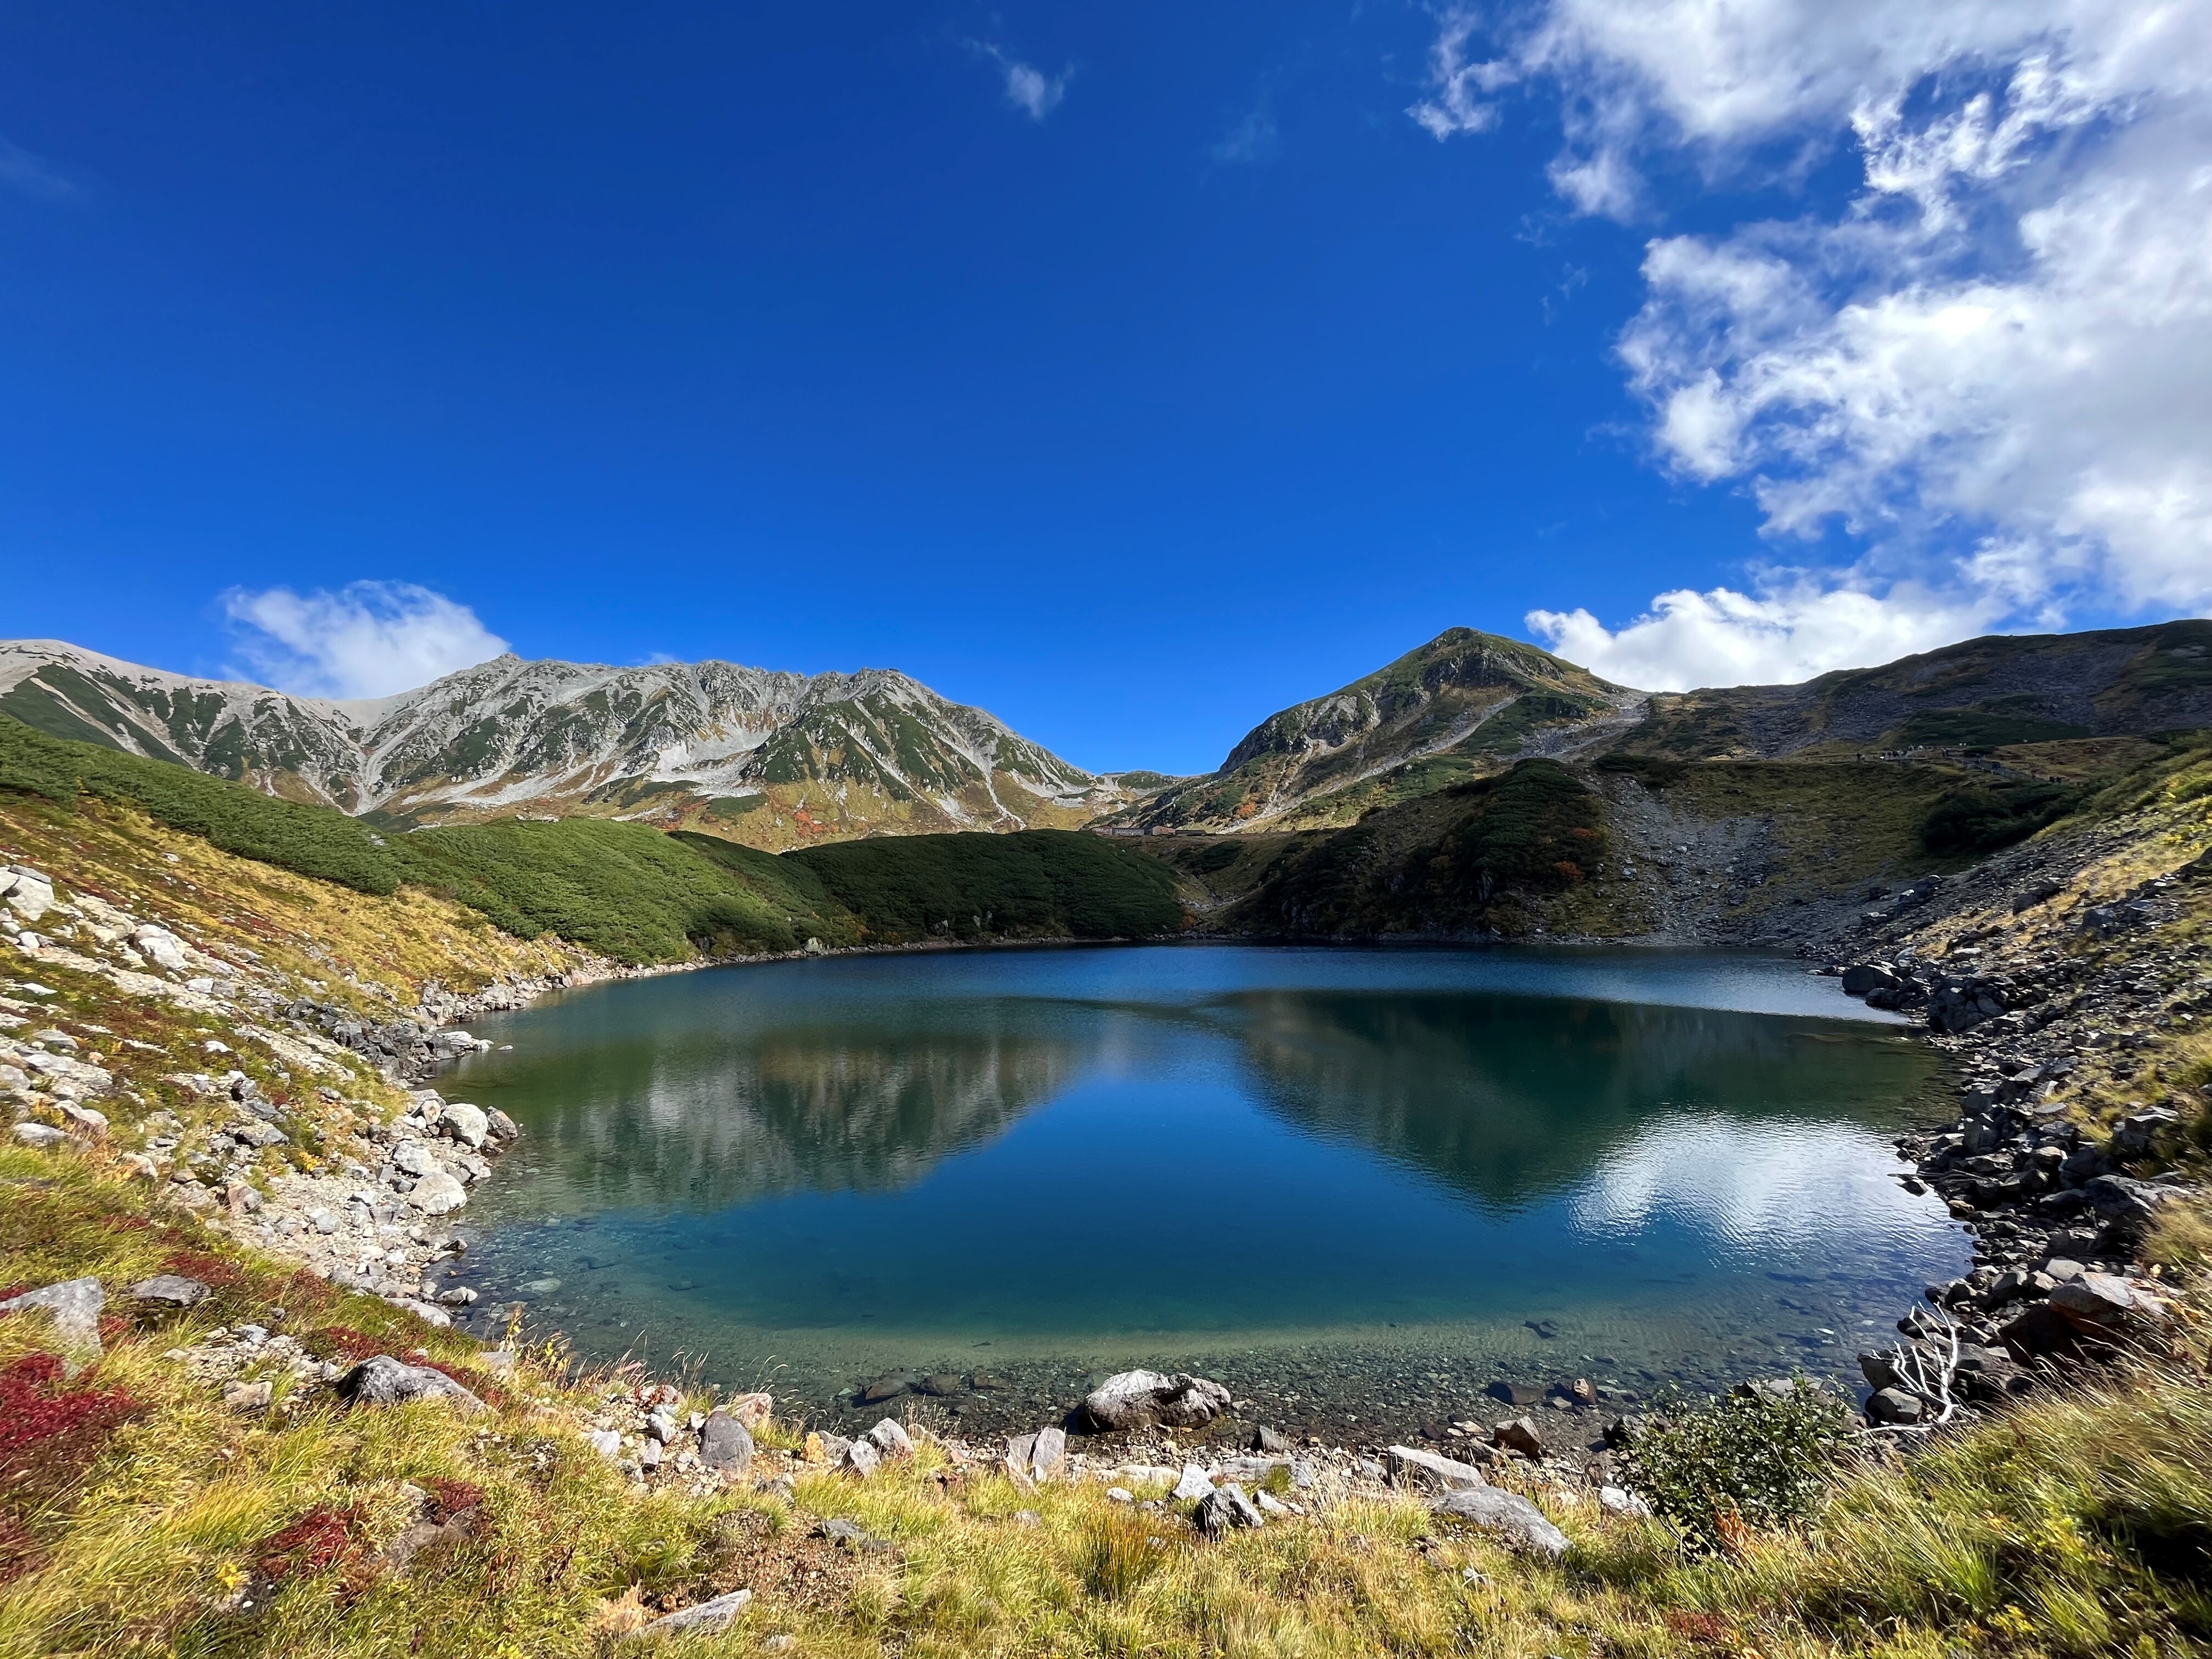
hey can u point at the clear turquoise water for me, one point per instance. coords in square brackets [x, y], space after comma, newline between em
[1357, 1185]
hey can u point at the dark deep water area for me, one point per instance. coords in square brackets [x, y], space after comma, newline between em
[1356, 1185]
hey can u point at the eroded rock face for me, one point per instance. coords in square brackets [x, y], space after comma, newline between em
[1136, 1400]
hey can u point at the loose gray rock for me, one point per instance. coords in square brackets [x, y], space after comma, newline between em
[707, 1615]
[414, 1157]
[385, 1381]
[725, 1443]
[1136, 1400]
[2124, 1200]
[890, 1439]
[438, 1194]
[41, 1135]
[885, 1387]
[1519, 1436]
[501, 1125]
[1192, 1487]
[1895, 1407]
[75, 1304]
[861, 1458]
[1507, 1514]
[1409, 1466]
[173, 1289]
[467, 1124]
[1225, 1507]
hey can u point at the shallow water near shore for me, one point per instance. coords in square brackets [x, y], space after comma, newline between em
[1357, 1185]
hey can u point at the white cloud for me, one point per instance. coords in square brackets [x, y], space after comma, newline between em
[1993, 366]
[369, 639]
[1252, 140]
[1789, 630]
[1452, 107]
[29, 175]
[1028, 89]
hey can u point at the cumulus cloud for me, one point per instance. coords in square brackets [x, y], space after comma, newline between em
[368, 639]
[1993, 365]
[1028, 89]
[1791, 630]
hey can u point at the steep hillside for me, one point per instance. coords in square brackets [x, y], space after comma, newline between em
[772, 760]
[1463, 706]
[628, 891]
[2000, 691]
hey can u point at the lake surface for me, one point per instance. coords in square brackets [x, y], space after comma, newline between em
[1355, 1185]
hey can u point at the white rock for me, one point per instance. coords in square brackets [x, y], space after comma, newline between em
[162, 946]
[39, 1135]
[1192, 1485]
[606, 1442]
[465, 1123]
[29, 894]
[413, 1157]
[438, 1194]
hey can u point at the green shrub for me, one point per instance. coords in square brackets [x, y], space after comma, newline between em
[1753, 1458]
[1983, 817]
[1033, 883]
[312, 840]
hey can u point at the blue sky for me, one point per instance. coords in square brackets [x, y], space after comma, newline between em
[1131, 372]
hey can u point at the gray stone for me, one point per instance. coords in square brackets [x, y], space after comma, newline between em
[501, 1124]
[1894, 1406]
[942, 1385]
[384, 1381]
[1409, 1466]
[1225, 1507]
[466, 1124]
[75, 1305]
[1509, 1515]
[725, 1443]
[2125, 1200]
[885, 1387]
[1265, 1439]
[414, 1157]
[705, 1616]
[1864, 977]
[1141, 1399]
[41, 1135]
[890, 1439]
[861, 1458]
[606, 1442]
[1193, 1486]
[438, 1194]
[322, 1221]
[173, 1289]
[1519, 1436]
[1049, 1453]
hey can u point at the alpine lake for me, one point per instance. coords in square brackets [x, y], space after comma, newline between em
[1359, 1187]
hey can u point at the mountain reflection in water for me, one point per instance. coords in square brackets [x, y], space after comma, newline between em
[1502, 1100]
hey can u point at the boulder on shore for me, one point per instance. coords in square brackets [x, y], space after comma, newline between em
[1137, 1400]
[1510, 1516]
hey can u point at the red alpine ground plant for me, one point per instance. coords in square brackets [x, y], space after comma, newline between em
[48, 1434]
[328, 1536]
[46, 1428]
[212, 1271]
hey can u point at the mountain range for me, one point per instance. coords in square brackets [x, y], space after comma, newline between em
[779, 760]
[773, 760]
